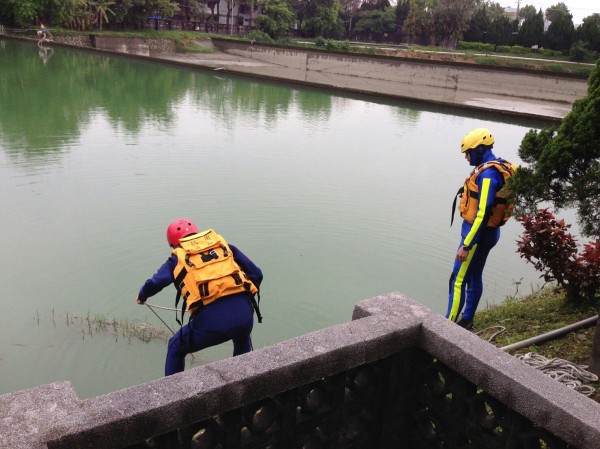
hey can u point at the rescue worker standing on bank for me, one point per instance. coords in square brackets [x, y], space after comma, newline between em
[216, 283]
[484, 209]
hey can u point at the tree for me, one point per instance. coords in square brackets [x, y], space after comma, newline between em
[19, 12]
[564, 170]
[419, 21]
[443, 20]
[493, 10]
[560, 33]
[276, 18]
[324, 18]
[531, 31]
[349, 13]
[500, 31]
[212, 4]
[554, 12]
[134, 13]
[102, 8]
[402, 9]
[374, 5]
[478, 26]
[564, 162]
[527, 12]
[450, 20]
[377, 23]
[589, 31]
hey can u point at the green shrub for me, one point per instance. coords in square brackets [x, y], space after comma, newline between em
[548, 52]
[344, 46]
[320, 42]
[332, 45]
[514, 49]
[580, 52]
[547, 244]
[478, 46]
[259, 36]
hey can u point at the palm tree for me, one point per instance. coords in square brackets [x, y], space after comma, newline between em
[102, 8]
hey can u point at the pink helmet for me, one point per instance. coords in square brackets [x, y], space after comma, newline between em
[178, 229]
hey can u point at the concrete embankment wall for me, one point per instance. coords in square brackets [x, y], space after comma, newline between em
[518, 92]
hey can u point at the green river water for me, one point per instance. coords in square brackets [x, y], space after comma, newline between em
[337, 198]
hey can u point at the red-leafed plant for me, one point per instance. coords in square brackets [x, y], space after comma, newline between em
[547, 244]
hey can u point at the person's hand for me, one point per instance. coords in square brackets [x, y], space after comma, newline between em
[140, 301]
[462, 254]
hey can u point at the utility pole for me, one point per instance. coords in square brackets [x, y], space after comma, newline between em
[231, 18]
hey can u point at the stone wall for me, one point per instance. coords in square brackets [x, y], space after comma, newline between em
[134, 46]
[397, 375]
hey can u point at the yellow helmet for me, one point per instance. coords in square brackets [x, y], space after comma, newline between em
[479, 136]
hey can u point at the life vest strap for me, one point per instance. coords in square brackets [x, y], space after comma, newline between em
[178, 282]
[203, 289]
[187, 261]
[237, 279]
[458, 194]
[256, 306]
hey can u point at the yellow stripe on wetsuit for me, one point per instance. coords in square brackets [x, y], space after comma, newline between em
[481, 211]
[477, 223]
[458, 282]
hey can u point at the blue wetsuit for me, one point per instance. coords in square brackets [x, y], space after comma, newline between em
[466, 281]
[228, 318]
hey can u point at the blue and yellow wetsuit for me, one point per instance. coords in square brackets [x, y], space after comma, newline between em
[229, 318]
[466, 281]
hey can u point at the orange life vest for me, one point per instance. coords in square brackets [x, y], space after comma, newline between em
[206, 271]
[469, 195]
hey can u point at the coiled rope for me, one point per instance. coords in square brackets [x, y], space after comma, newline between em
[565, 372]
[568, 373]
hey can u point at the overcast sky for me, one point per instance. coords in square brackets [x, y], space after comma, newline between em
[579, 8]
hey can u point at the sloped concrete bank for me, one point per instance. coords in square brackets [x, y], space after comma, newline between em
[522, 93]
[517, 92]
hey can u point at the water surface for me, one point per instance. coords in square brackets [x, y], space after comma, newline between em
[336, 198]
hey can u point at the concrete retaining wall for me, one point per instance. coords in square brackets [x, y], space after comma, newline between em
[526, 93]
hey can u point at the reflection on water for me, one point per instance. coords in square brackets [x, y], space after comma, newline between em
[45, 53]
[336, 198]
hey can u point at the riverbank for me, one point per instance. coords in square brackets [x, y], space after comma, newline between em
[522, 93]
[518, 319]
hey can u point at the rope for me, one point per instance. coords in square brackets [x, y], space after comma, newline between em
[495, 334]
[564, 371]
[151, 307]
[161, 307]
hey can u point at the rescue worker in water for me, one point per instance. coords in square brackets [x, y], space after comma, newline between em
[217, 284]
[484, 208]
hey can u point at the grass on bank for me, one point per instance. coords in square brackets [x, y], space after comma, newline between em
[538, 313]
